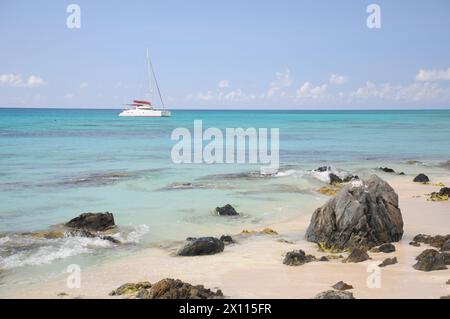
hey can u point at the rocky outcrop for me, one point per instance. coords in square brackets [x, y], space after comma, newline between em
[342, 286]
[356, 256]
[333, 294]
[297, 258]
[388, 261]
[421, 178]
[363, 214]
[167, 289]
[202, 246]
[386, 169]
[430, 259]
[384, 248]
[92, 221]
[226, 210]
[442, 195]
[131, 289]
[446, 245]
[437, 241]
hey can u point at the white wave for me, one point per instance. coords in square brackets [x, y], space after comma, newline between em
[134, 236]
[288, 172]
[51, 250]
[325, 175]
[4, 240]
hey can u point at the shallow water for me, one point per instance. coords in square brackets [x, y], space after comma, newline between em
[56, 164]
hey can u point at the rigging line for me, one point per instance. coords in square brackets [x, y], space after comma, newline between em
[156, 82]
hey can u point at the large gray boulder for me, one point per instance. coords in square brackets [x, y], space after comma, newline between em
[363, 214]
[92, 221]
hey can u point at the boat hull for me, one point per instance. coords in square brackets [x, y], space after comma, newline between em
[145, 113]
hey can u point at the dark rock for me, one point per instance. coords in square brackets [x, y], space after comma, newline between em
[384, 248]
[387, 170]
[202, 246]
[356, 256]
[342, 286]
[437, 241]
[350, 178]
[444, 191]
[324, 258]
[448, 282]
[445, 297]
[422, 238]
[297, 258]
[446, 245]
[421, 178]
[430, 259]
[226, 210]
[363, 214]
[130, 288]
[402, 173]
[388, 261]
[333, 294]
[226, 239]
[323, 169]
[177, 289]
[92, 221]
[446, 256]
[415, 244]
[88, 234]
[334, 179]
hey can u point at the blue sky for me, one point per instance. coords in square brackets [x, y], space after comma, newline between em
[226, 54]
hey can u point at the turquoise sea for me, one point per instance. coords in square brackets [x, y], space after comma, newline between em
[58, 163]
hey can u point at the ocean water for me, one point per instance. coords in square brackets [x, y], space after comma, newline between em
[56, 164]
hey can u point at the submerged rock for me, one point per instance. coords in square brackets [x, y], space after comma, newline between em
[384, 248]
[414, 243]
[202, 246]
[356, 256]
[430, 259]
[226, 210]
[342, 286]
[421, 178]
[297, 258]
[363, 214]
[333, 294]
[388, 261]
[92, 221]
[386, 169]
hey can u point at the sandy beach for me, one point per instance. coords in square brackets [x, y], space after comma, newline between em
[253, 268]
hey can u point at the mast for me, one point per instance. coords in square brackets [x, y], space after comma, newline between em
[149, 74]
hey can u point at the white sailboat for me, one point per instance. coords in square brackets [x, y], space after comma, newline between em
[141, 108]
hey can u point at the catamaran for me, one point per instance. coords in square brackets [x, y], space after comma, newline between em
[143, 108]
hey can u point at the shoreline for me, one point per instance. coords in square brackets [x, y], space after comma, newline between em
[241, 271]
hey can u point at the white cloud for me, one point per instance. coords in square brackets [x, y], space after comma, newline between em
[411, 92]
[83, 85]
[307, 90]
[69, 96]
[208, 96]
[433, 75]
[282, 80]
[15, 80]
[223, 84]
[337, 79]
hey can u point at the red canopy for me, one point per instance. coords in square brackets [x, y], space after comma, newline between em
[142, 102]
